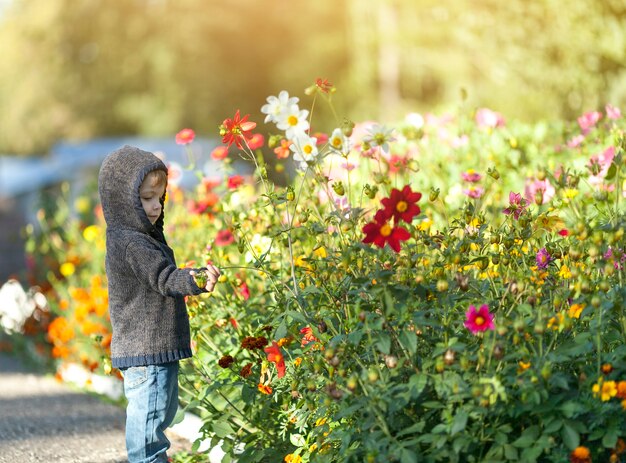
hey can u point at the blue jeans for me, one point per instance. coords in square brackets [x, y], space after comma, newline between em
[152, 394]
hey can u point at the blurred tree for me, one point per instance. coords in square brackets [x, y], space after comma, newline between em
[74, 69]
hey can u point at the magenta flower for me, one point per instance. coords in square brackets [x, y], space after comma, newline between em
[543, 258]
[479, 320]
[612, 112]
[471, 176]
[588, 120]
[517, 205]
[474, 192]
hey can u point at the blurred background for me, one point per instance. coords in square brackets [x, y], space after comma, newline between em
[75, 71]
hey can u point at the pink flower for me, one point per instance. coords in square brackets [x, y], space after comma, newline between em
[539, 191]
[599, 165]
[486, 118]
[185, 136]
[256, 141]
[474, 192]
[517, 205]
[576, 141]
[543, 258]
[588, 120]
[478, 321]
[174, 173]
[612, 112]
[471, 176]
[224, 238]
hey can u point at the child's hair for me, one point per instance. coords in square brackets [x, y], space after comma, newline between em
[157, 178]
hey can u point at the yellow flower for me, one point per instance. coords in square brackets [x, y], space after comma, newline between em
[293, 458]
[91, 233]
[320, 252]
[67, 269]
[320, 421]
[570, 193]
[556, 321]
[297, 361]
[606, 390]
[575, 310]
[523, 366]
[425, 224]
[564, 272]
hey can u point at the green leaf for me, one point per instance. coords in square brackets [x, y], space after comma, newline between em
[297, 440]
[570, 436]
[459, 422]
[610, 174]
[408, 339]
[383, 343]
[408, 456]
[528, 437]
[510, 453]
[417, 383]
[609, 440]
[222, 429]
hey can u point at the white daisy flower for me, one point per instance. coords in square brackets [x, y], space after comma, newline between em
[276, 105]
[305, 150]
[338, 141]
[293, 121]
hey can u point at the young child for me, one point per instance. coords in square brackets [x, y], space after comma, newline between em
[146, 297]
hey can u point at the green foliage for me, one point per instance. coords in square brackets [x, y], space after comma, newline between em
[319, 347]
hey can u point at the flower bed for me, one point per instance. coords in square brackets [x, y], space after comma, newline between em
[446, 289]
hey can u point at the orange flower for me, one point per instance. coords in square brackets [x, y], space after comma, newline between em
[283, 150]
[307, 336]
[580, 455]
[275, 355]
[621, 390]
[264, 389]
[60, 331]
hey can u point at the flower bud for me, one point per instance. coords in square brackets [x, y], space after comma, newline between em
[493, 173]
[339, 188]
[434, 194]
[347, 128]
[370, 191]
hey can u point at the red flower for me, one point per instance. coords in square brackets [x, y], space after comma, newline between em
[401, 205]
[244, 291]
[219, 153]
[564, 232]
[256, 141]
[234, 181]
[323, 84]
[236, 130]
[185, 136]
[380, 232]
[224, 238]
[275, 355]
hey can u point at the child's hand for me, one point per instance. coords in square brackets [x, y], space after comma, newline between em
[206, 278]
[213, 273]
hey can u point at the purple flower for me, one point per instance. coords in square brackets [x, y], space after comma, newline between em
[517, 205]
[543, 259]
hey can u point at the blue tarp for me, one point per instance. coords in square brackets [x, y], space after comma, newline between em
[20, 175]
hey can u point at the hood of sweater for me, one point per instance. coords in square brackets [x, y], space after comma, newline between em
[120, 177]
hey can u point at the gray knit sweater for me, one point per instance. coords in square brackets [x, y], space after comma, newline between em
[146, 289]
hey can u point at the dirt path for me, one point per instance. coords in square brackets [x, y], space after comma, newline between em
[42, 420]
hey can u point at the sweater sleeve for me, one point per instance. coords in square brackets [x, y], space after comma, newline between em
[157, 271]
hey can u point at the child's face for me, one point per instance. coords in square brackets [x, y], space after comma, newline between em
[150, 193]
